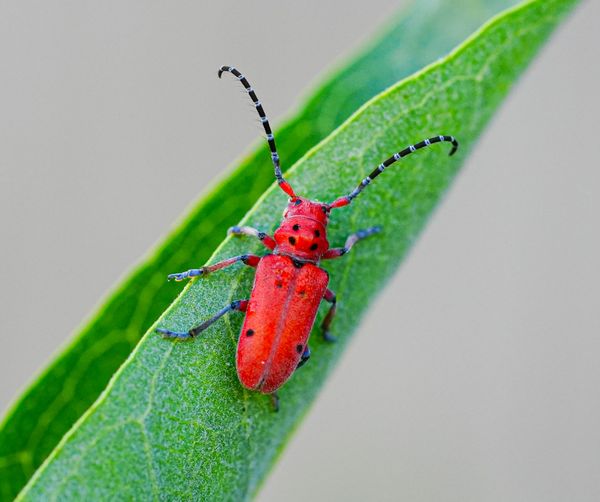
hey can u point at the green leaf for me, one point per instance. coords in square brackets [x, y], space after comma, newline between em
[77, 377]
[174, 423]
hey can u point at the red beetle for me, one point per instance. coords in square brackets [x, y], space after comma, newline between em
[289, 284]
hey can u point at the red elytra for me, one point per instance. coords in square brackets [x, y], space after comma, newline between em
[289, 284]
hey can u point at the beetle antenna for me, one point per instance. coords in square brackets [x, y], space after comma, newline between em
[347, 199]
[285, 186]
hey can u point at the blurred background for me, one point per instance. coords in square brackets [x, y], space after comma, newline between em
[475, 375]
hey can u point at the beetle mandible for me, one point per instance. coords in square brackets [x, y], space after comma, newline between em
[288, 285]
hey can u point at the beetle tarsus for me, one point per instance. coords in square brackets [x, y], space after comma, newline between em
[195, 272]
[274, 401]
[174, 335]
[328, 337]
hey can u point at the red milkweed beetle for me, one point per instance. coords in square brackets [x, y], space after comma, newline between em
[289, 285]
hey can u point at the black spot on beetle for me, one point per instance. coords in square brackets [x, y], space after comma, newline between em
[317, 233]
[250, 332]
[298, 263]
[314, 247]
[296, 227]
[299, 348]
[302, 293]
[292, 241]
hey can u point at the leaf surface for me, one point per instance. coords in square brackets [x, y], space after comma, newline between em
[76, 378]
[174, 423]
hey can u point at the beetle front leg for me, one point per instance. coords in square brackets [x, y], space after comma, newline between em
[350, 241]
[267, 240]
[239, 305]
[329, 297]
[248, 259]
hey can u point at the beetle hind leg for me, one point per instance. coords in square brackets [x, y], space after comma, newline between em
[331, 298]
[239, 305]
[304, 358]
[274, 401]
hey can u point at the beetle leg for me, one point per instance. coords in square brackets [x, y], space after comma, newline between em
[304, 358]
[350, 241]
[274, 401]
[248, 259]
[239, 305]
[329, 297]
[267, 240]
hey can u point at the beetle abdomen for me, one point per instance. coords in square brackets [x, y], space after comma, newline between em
[280, 315]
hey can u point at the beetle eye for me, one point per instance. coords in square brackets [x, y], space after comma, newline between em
[297, 202]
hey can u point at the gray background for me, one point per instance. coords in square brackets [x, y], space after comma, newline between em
[474, 377]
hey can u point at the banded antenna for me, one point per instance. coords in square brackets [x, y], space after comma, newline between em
[285, 186]
[347, 199]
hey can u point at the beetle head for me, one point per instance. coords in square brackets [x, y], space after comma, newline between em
[299, 206]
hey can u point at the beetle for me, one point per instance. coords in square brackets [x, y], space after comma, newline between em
[289, 284]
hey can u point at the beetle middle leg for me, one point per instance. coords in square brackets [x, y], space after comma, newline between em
[248, 259]
[266, 239]
[274, 401]
[350, 241]
[239, 305]
[329, 297]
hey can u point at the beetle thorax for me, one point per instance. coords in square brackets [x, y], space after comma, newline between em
[303, 231]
